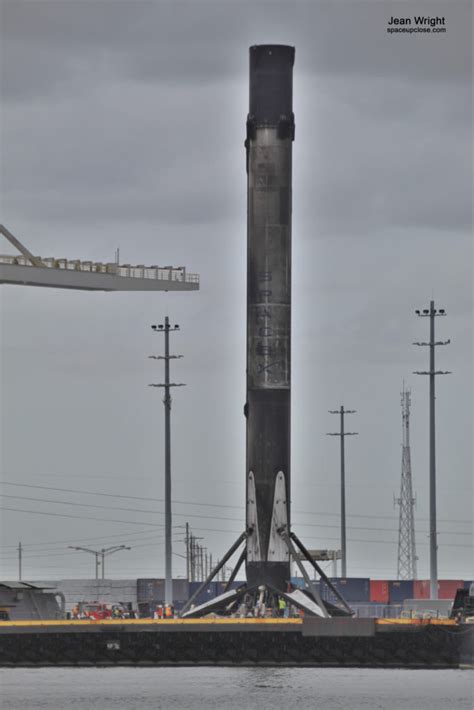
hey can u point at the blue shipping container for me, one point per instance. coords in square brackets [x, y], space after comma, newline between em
[209, 592]
[153, 590]
[399, 590]
[149, 589]
[234, 585]
[353, 589]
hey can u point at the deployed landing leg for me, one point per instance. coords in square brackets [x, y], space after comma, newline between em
[211, 576]
[308, 600]
[322, 575]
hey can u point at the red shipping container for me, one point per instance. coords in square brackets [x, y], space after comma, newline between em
[447, 588]
[379, 591]
[421, 589]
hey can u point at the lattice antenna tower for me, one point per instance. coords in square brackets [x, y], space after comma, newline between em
[406, 565]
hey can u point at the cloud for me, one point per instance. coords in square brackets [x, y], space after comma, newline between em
[52, 46]
[123, 125]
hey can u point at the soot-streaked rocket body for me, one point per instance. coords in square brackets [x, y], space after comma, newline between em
[268, 538]
[270, 133]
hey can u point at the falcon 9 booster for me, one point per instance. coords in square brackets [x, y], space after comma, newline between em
[270, 133]
[269, 540]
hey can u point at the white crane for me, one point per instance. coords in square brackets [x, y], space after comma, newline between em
[30, 270]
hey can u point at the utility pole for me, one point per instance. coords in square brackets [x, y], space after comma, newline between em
[342, 434]
[193, 555]
[195, 561]
[167, 402]
[20, 555]
[432, 313]
[187, 551]
[406, 562]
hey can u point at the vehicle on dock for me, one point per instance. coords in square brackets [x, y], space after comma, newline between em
[463, 606]
[93, 610]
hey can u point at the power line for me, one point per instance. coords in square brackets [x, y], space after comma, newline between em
[80, 517]
[192, 515]
[117, 495]
[215, 505]
[220, 480]
[106, 507]
[54, 553]
[82, 539]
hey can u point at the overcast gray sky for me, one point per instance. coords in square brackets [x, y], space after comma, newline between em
[123, 126]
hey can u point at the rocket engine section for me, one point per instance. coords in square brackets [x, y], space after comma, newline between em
[270, 133]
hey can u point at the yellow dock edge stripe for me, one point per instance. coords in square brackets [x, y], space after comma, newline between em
[417, 622]
[207, 622]
[149, 622]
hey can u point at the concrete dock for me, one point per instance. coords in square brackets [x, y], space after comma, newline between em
[377, 643]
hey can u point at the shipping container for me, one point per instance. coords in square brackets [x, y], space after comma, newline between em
[180, 589]
[421, 589]
[447, 588]
[353, 589]
[146, 589]
[399, 590]
[153, 590]
[379, 591]
[208, 593]
[234, 585]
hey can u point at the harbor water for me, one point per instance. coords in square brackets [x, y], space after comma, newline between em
[234, 689]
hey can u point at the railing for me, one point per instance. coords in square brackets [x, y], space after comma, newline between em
[165, 273]
[395, 611]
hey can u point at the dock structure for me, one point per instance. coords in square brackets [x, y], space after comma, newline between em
[29, 270]
[336, 642]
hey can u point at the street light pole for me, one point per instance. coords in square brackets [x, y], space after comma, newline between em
[167, 402]
[342, 434]
[103, 552]
[93, 552]
[20, 555]
[110, 551]
[432, 313]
